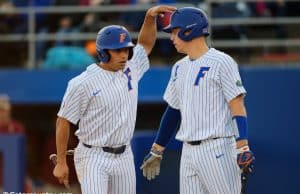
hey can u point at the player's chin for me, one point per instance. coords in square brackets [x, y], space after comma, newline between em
[180, 51]
[121, 66]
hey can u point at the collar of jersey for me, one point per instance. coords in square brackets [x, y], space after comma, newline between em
[199, 58]
[94, 68]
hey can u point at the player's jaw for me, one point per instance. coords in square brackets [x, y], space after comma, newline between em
[180, 46]
[177, 42]
[118, 58]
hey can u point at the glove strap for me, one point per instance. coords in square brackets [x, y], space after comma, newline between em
[243, 149]
[156, 153]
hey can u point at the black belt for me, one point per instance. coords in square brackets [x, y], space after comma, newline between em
[117, 150]
[199, 141]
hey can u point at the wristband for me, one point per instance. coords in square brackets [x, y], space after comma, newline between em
[156, 153]
[241, 124]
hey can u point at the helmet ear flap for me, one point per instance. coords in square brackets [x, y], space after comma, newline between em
[186, 37]
[103, 55]
[195, 31]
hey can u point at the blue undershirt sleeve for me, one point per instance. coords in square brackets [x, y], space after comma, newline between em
[168, 125]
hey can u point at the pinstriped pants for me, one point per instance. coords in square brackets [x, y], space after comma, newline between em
[210, 168]
[100, 172]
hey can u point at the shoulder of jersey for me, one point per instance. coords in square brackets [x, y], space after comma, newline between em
[219, 56]
[138, 46]
[181, 61]
[84, 76]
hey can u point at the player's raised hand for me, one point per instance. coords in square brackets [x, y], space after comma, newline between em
[245, 159]
[160, 10]
[151, 164]
[61, 172]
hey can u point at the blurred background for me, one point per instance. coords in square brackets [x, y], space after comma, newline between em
[44, 43]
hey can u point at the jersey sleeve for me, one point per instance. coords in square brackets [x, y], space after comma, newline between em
[231, 80]
[139, 61]
[171, 94]
[74, 103]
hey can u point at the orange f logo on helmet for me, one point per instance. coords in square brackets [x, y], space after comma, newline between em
[122, 37]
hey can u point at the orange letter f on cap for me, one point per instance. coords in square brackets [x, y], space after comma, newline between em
[122, 37]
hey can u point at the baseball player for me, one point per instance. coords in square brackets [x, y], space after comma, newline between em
[103, 101]
[205, 97]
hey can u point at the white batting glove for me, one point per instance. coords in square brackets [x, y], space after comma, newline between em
[151, 164]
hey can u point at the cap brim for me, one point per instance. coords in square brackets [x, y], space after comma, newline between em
[126, 45]
[130, 44]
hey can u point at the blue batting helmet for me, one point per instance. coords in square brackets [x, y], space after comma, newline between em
[188, 19]
[112, 37]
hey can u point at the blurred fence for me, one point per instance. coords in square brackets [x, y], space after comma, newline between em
[32, 37]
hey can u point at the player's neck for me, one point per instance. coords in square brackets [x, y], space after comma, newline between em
[106, 67]
[197, 48]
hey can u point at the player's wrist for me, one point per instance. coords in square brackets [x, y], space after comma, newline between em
[150, 15]
[157, 152]
[158, 147]
[61, 158]
[242, 149]
[241, 143]
[61, 161]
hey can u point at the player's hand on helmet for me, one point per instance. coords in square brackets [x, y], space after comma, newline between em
[160, 10]
[245, 159]
[61, 172]
[151, 164]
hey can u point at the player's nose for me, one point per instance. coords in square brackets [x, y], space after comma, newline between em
[124, 53]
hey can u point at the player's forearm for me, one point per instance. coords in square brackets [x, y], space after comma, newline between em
[158, 147]
[147, 35]
[241, 143]
[62, 137]
[239, 114]
[237, 106]
[168, 126]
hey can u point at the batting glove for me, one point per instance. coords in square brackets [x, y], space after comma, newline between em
[151, 164]
[245, 159]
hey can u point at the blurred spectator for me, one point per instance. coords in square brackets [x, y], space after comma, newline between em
[9, 20]
[293, 8]
[66, 2]
[272, 9]
[40, 18]
[67, 54]
[134, 20]
[14, 55]
[65, 27]
[10, 126]
[91, 24]
[232, 10]
[76, 17]
[189, 1]
[10, 53]
[120, 2]
[63, 57]
[7, 124]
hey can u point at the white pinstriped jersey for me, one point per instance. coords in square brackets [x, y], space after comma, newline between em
[201, 89]
[105, 102]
